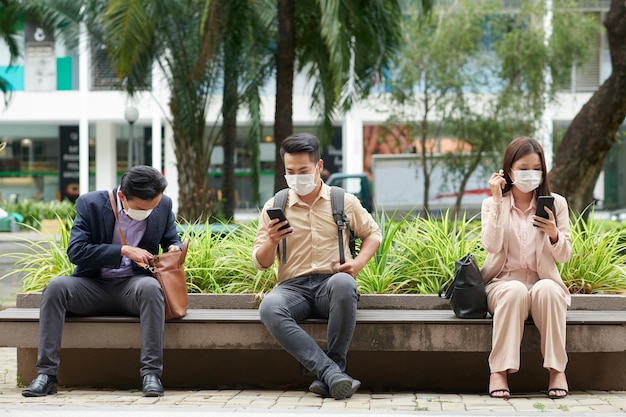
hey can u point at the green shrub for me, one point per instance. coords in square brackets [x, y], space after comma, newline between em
[35, 211]
[598, 258]
[222, 262]
[44, 259]
[383, 272]
[416, 256]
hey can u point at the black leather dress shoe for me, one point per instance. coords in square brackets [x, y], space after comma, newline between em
[41, 386]
[152, 386]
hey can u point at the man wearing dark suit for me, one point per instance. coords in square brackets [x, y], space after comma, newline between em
[107, 279]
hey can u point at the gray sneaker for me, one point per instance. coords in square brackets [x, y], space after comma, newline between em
[319, 388]
[342, 386]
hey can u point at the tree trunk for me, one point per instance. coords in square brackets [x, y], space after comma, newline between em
[229, 138]
[477, 158]
[592, 133]
[285, 58]
[195, 198]
[426, 173]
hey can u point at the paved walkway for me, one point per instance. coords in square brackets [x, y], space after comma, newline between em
[71, 402]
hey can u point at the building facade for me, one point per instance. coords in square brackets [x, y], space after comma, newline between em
[69, 128]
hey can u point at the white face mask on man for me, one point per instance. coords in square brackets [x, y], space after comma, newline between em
[302, 184]
[528, 180]
[138, 215]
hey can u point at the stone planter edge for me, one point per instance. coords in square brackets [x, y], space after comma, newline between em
[605, 302]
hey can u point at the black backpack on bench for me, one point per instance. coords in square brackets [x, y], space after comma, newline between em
[342, 221]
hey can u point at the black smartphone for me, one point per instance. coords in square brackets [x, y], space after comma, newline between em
[278, 213]
[544, 201]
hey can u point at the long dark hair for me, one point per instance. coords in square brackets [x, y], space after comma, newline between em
[518, 148]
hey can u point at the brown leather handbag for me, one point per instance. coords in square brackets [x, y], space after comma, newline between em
[169, 269]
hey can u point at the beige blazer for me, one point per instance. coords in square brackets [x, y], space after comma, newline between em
[495, 239]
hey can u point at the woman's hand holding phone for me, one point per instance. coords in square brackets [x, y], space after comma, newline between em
[544, 217]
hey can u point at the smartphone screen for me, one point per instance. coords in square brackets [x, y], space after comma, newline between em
[278, 213]
[544, 201]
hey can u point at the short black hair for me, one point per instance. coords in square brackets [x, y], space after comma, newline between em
[143, 182]
[301, 143]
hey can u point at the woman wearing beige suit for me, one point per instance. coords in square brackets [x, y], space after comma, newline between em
[520, 271]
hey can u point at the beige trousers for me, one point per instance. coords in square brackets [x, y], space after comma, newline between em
[514, 296]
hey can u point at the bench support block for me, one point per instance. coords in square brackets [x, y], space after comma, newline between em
[275, 369]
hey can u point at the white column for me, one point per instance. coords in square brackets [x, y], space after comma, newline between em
[352, 137]
[106, 156]
[170, 167]
[353, 141]
[83, 123]
[157, 97]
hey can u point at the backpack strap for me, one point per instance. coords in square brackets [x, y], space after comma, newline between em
[280, 201]
[341, 220]
[336, 202]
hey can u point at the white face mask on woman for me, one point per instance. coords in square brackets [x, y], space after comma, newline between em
[302, 184]
[528, 180]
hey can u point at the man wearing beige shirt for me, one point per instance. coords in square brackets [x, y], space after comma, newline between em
[312, 282]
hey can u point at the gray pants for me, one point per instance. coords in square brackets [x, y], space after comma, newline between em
[313, 296]
[133, 296]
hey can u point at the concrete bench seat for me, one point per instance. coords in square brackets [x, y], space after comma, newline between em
[400, 342]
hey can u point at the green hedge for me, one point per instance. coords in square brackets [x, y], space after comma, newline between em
[417, 255]
[34, 211]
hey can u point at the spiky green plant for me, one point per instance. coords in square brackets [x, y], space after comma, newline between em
[44, 259]
[416, 256]
[383, 273]
[222, 262]
[34, 211]
[428, 248]
[598, 262]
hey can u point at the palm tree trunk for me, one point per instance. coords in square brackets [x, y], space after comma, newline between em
[285, 58]
[229, 137]
[195, 197]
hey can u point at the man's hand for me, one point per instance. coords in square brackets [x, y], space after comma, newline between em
[267, 252]
[354, 266]
[136, 254]
[277, 235]
[350, 266]
[174, 248]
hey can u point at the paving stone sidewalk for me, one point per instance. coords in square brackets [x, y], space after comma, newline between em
[96, 402]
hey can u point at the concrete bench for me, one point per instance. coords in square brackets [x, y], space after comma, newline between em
[401, 342]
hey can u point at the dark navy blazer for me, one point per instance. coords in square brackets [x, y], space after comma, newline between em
[90, 247]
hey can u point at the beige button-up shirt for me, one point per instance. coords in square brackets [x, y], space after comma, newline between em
[313, 245]
[522, 237]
